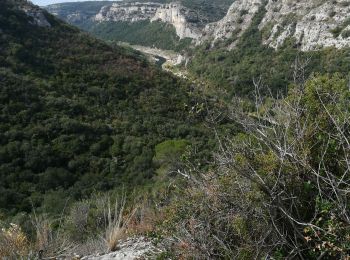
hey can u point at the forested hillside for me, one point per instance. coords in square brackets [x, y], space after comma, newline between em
[210, 10]
[145, 33]
[235, 68]
[77, 115]
[139, 30]
[103, 153]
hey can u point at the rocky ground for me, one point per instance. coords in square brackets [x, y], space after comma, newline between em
[171, 59]
[130, 249]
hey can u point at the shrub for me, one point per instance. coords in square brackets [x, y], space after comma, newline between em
[169, 151]
[13, 243]
[281, 188]
[345, 34]
[50, 242]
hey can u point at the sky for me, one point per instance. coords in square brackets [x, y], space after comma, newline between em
[48, 2]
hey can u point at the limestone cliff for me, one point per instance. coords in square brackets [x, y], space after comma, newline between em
[184, 20]
[77, 13]
[127, 12]
[37, 15]
[237, 20]
[312, 23]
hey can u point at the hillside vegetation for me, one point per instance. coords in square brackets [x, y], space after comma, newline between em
[209, 11]
[234, 69]
[155, 34]
[79, 116]
[97, 145]
[145, 33]
[280, 190]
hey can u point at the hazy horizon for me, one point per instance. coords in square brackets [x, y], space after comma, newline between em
[48, 2]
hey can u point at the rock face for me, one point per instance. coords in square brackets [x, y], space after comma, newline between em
[77, 13]
[237, 20]
[313, 24]
[76, 17]
[37, 15]
[127, 12]
[185, 21]
[131, 249]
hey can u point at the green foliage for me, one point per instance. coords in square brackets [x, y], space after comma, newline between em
[169, 151]
[86, 7]
[79, 116]
[284, 183]
[339, 29]
[218, 218]
[235, 69]
[345, 34]
[211, 10]
[207, 10]
[153, 34]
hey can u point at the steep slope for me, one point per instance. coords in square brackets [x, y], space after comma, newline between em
[167, 26]
[185, 22]
[77, 115]
[312, 24]
[179, 21]
[77, 13]
[270, 40]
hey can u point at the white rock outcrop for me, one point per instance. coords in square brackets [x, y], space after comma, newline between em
[236, 21]
[37, 15]
[313, 24]
[184, 20]
[130, 249]
[76, 17]
[127, 12]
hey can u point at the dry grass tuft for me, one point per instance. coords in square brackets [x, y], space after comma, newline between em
[116, 229]
[42, 227]
[50, 243]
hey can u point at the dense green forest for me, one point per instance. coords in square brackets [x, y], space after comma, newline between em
[146, 33]
[98, 145]
[208, 11]
[235, 69]
[79, 116]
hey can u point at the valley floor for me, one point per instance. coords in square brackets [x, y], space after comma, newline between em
[167, 59]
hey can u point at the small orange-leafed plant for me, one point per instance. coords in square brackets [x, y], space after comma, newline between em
[13, 242]
[142, 221]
